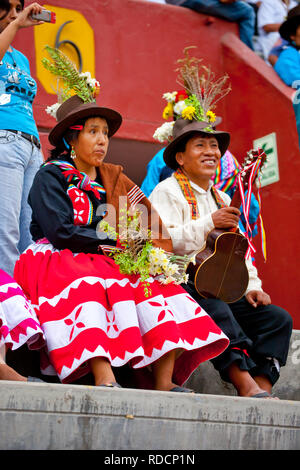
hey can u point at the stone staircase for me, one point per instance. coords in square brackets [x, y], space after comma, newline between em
[51, 416]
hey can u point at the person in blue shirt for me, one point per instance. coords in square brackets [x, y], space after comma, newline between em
[288, 64]
[230, 10]
[154, 170]
[276, 50]
[20, 149]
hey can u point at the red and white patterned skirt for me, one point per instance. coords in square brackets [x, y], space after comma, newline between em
[18, 322]
[87, 309]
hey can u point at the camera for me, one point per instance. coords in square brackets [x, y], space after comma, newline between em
[45, 15]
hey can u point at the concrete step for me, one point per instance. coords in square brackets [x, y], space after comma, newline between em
[37, 416]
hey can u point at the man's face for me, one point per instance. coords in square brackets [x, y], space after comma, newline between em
[201, 157]
[296, 37]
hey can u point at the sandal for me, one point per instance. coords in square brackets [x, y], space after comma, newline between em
[263, 395]
[34, 379]
[110, 384]
[181, 389]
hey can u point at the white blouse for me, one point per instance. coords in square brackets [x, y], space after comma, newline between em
[188, 235]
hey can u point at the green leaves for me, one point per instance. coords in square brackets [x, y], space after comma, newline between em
[64, 69]
[192, 100]
[138, 256]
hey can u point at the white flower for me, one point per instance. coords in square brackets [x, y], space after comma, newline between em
[171, 269]
[157, 256]
[52, 110]
[86, 75]
[164, 132]
[179, 107]
[91, 82]
[170, 97]
[168, 280]
[193, 259]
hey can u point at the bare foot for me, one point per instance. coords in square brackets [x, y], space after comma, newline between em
[102, 371]
[165, 386]
[7, 373]
[245, 385]
[263, 382]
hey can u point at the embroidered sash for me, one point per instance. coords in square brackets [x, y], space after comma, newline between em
[78, 178]
[189, 195]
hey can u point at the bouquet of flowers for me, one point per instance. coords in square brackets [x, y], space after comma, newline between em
[137, 255]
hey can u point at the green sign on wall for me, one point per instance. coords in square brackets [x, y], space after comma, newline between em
[270, 171]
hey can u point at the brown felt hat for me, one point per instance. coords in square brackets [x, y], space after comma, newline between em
[74, 109]
[183, 128]
[293, 20]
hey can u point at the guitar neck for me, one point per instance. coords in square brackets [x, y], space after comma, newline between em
[236, 200]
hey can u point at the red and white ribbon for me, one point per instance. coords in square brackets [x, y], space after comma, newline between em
[246, 201]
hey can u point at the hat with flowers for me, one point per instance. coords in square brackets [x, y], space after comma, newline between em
[77, 100]
[191, 108]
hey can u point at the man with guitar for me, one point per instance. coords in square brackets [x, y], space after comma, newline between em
[191, 208]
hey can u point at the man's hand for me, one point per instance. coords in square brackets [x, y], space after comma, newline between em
[227, 217]
[258, 297]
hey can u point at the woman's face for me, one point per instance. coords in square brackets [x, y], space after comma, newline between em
[92, 143]
[15, 9]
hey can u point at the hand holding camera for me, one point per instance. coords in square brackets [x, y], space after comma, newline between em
[34, 14]
[45, 16]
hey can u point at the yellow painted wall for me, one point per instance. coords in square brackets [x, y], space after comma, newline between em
[78, 31]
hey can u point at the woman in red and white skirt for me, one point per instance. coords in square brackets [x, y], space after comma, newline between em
[94, 317]
[18, 325]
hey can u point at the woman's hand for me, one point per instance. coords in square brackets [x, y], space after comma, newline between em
[227, 217]
[24, 18]
[258, 297]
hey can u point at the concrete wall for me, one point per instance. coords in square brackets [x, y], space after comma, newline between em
[66, 417]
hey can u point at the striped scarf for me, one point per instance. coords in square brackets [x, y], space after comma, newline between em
[226, 175]
[78, 178]
[189, 195]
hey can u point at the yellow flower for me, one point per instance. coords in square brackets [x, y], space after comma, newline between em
[168, 111]
[188, 113]
[211, 116]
